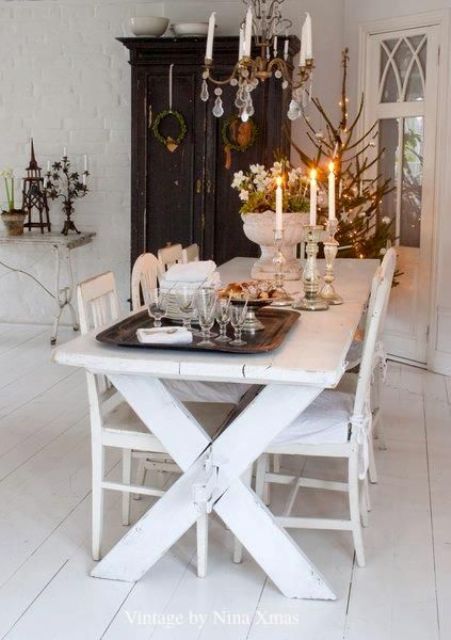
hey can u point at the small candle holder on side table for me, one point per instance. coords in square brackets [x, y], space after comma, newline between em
[312, 301]
[331, 245]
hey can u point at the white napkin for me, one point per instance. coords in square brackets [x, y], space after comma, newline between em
[164, 335]
[191, 271]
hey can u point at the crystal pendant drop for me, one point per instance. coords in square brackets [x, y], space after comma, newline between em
[278, 74]
[218, 109]
[204, 95]
[294, 111]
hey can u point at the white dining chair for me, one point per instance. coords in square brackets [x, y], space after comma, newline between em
[145, 276]
[115, 424]
[190, 253]
[388, 268]
[353, 360]
[337, 425]
[170, 255]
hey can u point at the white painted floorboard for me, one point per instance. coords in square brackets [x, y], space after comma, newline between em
[45, 589]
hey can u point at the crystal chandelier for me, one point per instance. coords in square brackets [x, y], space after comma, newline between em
[265, 23]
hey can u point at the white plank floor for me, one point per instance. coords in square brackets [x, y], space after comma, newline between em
[45, 592]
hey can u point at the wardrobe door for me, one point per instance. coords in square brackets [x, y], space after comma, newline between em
[173, 179]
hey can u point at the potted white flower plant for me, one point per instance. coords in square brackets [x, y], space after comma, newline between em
[257, 192]
[13, 218]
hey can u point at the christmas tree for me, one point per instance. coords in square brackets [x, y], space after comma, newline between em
[362, 232]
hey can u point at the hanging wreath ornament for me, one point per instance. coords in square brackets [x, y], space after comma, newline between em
[169, 142]
[237, 136]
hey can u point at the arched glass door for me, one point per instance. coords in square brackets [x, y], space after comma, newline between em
[401, 90]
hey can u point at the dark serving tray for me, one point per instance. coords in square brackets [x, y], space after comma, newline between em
[277, 325]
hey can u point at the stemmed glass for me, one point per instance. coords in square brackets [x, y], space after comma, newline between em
[205, 301]
[223, 318]
[157, 305]
[185, 301]
[237, 317]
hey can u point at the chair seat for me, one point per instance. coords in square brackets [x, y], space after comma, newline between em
[187, 391]
[211, 416]
[325, 421]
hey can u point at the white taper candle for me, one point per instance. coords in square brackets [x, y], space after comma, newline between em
[241, 45]
[332, 215]
[302, 54]
[313, 197]
[210, 36]
[248, 34]
[308, 36]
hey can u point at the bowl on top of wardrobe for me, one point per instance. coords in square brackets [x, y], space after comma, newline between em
[186, 29]
[149, 25]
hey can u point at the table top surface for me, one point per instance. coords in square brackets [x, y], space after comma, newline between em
[53, 238]
[314, 352]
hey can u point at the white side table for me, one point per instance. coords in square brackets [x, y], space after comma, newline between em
[62, 247]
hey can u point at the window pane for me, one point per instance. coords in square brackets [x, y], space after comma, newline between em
[388, 164]
[412, 178]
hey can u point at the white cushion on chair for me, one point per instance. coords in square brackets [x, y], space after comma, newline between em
[226, 392]
[123, 418]
[326, 420]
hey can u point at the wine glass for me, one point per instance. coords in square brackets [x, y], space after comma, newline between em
[157, 305]
[222, 315]
[205, 301]
[237, 317]
[185, 301]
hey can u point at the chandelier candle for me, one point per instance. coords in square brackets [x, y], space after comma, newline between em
[265, 26]
[313, 197]
[248, 34]
[308, 37]
[210, 38]
[241, 45]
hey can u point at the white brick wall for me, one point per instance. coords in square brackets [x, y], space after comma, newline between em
[64, 80]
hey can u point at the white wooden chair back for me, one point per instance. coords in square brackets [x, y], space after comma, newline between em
[98, 306]
[380, 294]
[145, 275]
[386, 269]
[98, 302]
[190, 253]
[170, 255]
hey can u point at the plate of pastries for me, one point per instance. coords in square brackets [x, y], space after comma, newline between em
[256, 292]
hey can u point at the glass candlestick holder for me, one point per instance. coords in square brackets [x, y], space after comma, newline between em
[279, 262]
[312, 300]
[331, 245]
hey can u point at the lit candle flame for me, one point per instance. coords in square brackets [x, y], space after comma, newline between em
[279, 181]
[331, 167]
[313, 174]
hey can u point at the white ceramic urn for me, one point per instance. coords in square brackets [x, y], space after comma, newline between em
[259, 228]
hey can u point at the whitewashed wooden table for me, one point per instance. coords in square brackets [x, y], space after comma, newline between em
[311, 359]
[62, 247]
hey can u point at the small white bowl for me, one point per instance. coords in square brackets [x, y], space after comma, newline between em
[190, 29]
[149, 26]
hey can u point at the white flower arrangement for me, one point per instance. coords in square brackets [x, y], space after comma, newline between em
[257, 188]
[8, 177]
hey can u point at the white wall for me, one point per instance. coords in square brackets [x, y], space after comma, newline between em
[65, 81]
[358, 12]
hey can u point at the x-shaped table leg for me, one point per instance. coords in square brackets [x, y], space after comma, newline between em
[240, 508]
